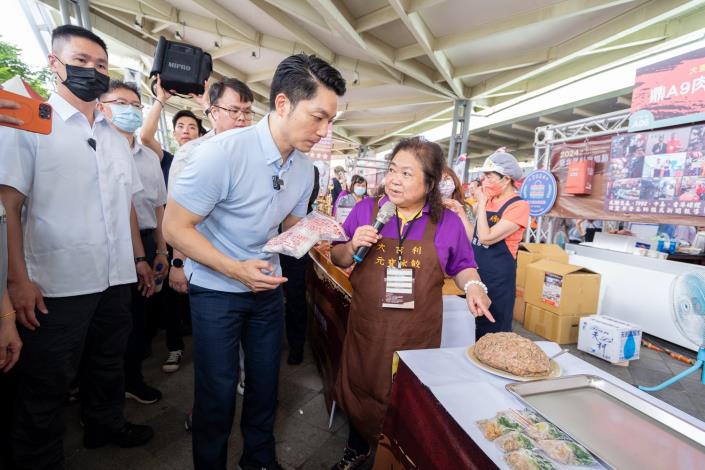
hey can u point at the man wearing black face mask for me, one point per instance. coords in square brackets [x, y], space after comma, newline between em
[72, 259]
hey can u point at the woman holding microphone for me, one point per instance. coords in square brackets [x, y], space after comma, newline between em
[397, 287]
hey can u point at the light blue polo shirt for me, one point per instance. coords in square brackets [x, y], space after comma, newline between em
[229, 182]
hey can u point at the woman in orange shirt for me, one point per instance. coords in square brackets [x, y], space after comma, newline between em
[501, 218]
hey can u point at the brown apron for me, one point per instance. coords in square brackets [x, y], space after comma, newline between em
[374, 333]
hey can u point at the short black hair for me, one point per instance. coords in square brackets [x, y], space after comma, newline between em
[188, 114]
[68, 31]
[216, 90]
[120, 85]
[298, 77]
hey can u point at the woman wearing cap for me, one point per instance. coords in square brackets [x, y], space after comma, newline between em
[502, 217]
[423, 242]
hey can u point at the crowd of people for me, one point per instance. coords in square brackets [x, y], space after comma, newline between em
[105, 227]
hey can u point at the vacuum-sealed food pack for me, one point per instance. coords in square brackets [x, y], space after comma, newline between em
[524, 459]
[515, 440]
[498, 426]
[300, 238]
[567, 452]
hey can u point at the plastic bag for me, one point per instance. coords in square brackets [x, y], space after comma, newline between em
[567, 452]
[300, 238]
[524, 459]
[498, 426]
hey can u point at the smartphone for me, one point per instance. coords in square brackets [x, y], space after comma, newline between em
[35, 114]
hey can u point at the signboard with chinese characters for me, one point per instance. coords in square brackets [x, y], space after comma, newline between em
[320, 156]
[539, 190]
[659, 172]
[669, 92]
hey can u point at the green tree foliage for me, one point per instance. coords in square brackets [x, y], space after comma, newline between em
[11, 64]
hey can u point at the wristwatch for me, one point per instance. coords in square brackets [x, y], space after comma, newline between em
[139, 259]
[177, 263]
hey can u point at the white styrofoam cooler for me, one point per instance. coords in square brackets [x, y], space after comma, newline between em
[609, 338]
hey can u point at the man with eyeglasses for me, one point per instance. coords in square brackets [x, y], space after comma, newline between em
[230, 107]
[122, 106]
[73, 254]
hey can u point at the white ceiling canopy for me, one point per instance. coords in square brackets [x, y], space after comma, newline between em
[407, 61]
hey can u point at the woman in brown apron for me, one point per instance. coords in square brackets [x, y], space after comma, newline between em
[397, 288]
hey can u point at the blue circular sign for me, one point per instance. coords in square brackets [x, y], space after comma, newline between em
[539, 189]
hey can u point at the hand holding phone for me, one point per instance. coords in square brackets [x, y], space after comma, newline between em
[4, 118]
[24, 113]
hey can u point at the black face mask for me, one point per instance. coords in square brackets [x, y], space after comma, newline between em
[85, 82]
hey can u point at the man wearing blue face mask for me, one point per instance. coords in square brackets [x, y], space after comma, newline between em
[122, 106]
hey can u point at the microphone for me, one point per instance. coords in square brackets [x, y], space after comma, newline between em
[385, 213]
[277, 183]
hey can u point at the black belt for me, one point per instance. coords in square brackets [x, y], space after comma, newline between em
[147, 232]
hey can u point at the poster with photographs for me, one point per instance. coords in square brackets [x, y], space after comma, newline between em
[659, 172]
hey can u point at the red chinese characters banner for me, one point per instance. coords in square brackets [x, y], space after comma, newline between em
[669, 92]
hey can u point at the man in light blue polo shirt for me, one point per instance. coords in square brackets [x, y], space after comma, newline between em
[226, 204]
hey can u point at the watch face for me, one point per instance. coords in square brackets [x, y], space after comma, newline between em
[177, 263]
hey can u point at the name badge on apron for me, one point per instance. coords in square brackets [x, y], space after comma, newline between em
[399, 291]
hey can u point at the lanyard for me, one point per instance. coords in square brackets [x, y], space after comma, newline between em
[402, 238]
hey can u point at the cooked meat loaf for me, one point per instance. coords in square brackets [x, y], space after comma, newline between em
[513, 353]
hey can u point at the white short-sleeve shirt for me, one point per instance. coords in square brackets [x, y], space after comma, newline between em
[76, 218]
[153, 192]
[185, 153]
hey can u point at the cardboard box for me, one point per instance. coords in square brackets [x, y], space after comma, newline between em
[519, 306]
[609, 338]
[562, 288]
[580, 174]
[562, 329]
[531, 252]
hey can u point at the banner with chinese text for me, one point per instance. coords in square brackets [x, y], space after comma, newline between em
[658, 173]
[320, 156]
[669, 92]
[580, 206]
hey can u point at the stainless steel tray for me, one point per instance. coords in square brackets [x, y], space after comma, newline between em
[620, 428]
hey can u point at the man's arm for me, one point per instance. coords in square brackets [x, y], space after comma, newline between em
[149, 129]
[144, 270]
[24, 294]
[180, 231]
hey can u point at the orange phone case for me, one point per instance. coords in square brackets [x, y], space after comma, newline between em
[36, 114]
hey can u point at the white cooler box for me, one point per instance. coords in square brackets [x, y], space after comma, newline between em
[609, 338]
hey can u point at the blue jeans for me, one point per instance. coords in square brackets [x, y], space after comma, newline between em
[220, 320]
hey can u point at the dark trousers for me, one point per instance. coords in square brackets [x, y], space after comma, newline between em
[295, 292]
[219, 321]
[91, 327]
[137, 342]
[176, 309]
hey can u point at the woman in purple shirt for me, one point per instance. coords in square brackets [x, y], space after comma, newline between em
[397, 288]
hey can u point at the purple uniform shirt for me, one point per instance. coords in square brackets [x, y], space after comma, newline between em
[452, 244]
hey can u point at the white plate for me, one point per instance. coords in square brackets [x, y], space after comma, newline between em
[554, 372]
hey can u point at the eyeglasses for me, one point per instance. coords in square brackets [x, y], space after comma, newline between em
[123, 102]
[247, 114]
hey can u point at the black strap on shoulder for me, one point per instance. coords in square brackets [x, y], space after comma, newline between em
[507, 204]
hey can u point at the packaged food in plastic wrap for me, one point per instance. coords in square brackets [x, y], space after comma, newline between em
[567, 452]
[524, 459]
[544, 430]
[515, 440]
[300, 238]
[498, 426]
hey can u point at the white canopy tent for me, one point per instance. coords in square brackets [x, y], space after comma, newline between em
[407, 62]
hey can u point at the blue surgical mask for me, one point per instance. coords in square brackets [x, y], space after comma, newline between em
[360, 191]
[126, 118]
